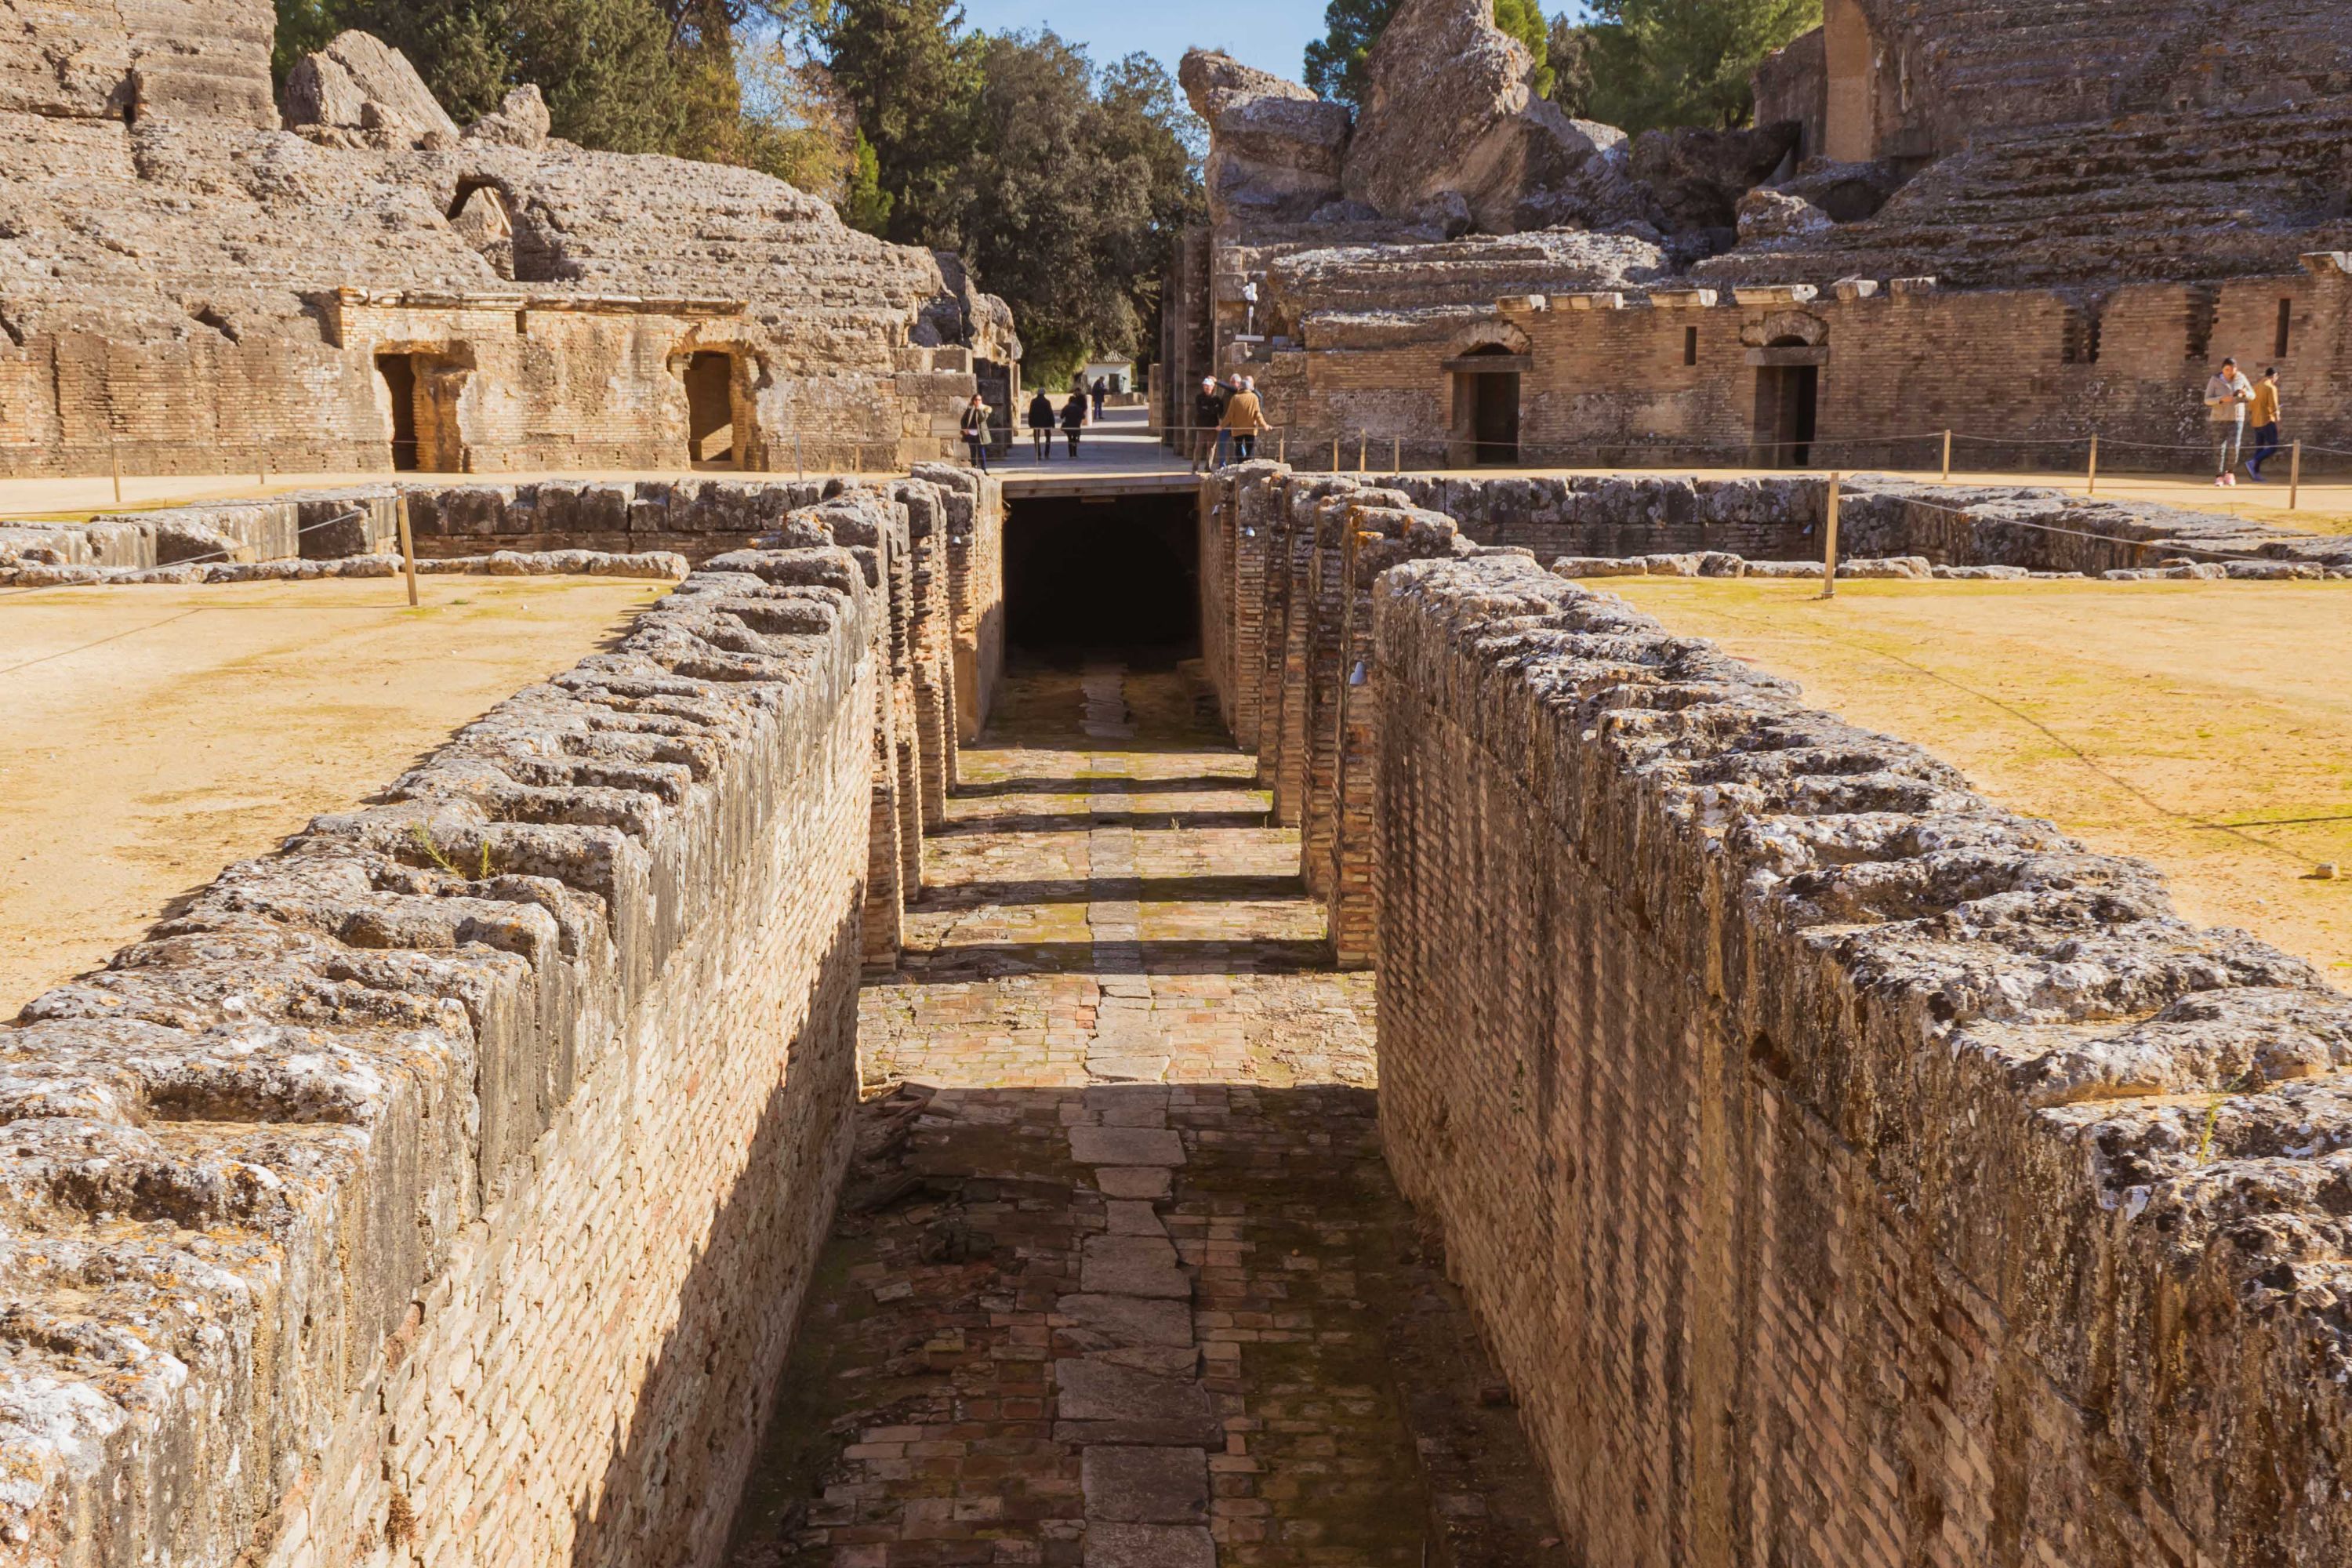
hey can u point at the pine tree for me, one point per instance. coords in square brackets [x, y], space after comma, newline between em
[1656, 64]
[910, 72]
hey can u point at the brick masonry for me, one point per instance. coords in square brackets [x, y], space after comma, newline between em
[1844, 1170]
[442, 1189]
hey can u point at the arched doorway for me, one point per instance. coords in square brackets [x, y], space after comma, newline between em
[1486, 405]
[1788, 401]
[711, 437]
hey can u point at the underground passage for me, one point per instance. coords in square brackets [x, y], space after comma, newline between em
[1119, 573]
[1592, 998]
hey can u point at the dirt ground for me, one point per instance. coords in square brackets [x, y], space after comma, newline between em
[2203, 726]
[151, 735]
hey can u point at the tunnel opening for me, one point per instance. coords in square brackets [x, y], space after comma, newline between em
[1120, 572]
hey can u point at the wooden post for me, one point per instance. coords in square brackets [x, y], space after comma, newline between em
[407, 548]
[114, 461]
[1947, 456]
[2294, 476]
[2095, 463]
[1829, 542]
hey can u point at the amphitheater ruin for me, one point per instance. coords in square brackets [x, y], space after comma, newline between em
[1126, 1019]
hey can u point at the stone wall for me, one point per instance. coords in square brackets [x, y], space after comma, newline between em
[196, 284]
[1290, 562]
[1845, 1170]
[2023, 377]
[442, 1188]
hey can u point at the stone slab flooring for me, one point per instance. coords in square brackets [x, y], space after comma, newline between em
[1120, 1280]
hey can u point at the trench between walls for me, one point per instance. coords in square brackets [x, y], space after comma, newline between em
[1781, 1171]
[464, 1162]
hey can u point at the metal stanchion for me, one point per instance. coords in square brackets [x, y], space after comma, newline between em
[1363, 451]
[2294, 476]
[1947, 456]
[1829, 542]
[1396, 456]
[2095, 464]
[1335, 454]
[114, 462]
[800, 467]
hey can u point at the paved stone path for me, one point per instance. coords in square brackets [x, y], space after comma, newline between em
[1120, 1281]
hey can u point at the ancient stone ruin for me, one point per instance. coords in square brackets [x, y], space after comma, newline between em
[200, 279]
[1418, 1064]
[1986, 219]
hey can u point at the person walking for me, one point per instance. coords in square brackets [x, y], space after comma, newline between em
[1073, 417]
[1041, 425]
[2226, 397]
[974, 424]
[1245, 417]
[2264, 419]
[1208, 423]
[1101, 391]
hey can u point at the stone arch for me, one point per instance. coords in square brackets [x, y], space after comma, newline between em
[1490, 337]
[1800, 329]
[482, 214]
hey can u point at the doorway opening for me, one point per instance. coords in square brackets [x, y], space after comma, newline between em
[399, 372]
[1788, 407]
[710, 411]
[1486, 406]
[421, 389]
[1118, 573]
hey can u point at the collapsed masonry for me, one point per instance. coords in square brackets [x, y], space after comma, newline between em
[194, 279]
[453, 1175]
[2022, 227]
[1844, 1169]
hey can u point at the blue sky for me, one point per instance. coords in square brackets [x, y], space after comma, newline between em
[1271, 34]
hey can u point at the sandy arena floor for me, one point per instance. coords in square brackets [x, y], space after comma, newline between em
[2207, 727]
[151, 735]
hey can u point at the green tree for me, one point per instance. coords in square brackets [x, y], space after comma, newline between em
[1335, 62]
[607, 67]
[1073, 189]
[303, 25]
[912, 76]
[1651, 65]
[866, 204]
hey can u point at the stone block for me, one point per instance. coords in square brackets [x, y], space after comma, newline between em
[1145, 1485]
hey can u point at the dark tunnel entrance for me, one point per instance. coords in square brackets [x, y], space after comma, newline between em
[1121, 572]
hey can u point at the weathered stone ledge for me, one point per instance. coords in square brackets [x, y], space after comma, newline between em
[408, 1184]
[1848, 1166]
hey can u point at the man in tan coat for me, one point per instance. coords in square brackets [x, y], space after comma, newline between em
[1245, 417]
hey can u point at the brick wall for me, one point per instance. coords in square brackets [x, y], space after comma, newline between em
[2017, 374]
[1846, 1171]
[442, 1189]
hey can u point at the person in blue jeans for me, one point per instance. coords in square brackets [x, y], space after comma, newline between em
[2265, 418]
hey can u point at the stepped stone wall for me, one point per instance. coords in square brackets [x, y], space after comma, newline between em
[2026, 224]
[1290, 561]
[1845, 1170]
[442, 1188]
[195, 283]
